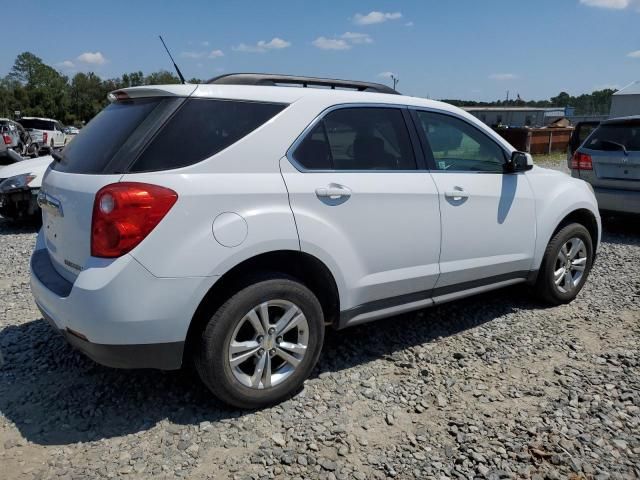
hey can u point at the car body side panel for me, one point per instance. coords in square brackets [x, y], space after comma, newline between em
[490, 233]
[385, 238]
[556, 196]
[259, 203]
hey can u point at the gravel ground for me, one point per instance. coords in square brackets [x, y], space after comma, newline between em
[495, 386]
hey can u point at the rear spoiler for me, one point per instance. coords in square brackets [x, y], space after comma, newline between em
[152, 91]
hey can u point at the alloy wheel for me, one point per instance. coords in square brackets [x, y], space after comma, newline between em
[570, 265]
[268, 344]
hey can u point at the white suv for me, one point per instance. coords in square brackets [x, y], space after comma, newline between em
[231, 222]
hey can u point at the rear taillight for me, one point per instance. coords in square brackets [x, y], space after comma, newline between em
[7, 139]
[45, 137]
[581, 161]
[124, 214]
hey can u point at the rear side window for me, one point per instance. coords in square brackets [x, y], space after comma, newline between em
[364, 138]
[612, 137]
[201, 128]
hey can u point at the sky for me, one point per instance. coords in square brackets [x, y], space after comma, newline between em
[464, 49]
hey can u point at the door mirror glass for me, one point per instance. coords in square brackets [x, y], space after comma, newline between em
[520, 162]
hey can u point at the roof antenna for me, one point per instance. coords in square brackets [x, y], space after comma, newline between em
[172, 60]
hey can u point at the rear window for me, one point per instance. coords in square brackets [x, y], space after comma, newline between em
[104, 136]
[612, 137]
[202, 128]
[37, 124]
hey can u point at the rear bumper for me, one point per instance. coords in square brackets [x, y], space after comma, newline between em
[614, 200]
[118, 314]
[162, 356]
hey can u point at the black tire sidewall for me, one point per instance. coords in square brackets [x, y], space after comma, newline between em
[211, 358]
[549, 288]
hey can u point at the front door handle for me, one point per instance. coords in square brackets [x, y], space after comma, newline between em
[333, 192]
[456, 194]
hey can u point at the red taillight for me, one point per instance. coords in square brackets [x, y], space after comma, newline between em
[581, 161]
[7, 139]
[124, 214]
[45, 137]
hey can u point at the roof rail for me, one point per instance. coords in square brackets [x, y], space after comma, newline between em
[268, 79]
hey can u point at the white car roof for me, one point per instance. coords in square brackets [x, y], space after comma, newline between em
[282, 94]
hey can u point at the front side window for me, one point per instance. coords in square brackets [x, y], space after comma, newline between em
[458, 146]
[364, 138]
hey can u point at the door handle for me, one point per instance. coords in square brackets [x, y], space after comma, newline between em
[456, 194]
[333, 192]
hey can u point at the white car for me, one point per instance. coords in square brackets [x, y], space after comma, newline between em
[51, 131]
[233, 221]
[19, 187]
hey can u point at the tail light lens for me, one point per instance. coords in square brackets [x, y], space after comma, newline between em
[581, 161]
[124, 214]
[7, 139]
[45, 137]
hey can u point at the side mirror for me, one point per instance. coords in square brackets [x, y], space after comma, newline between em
[520, 162]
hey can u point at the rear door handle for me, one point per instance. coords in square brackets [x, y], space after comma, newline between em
[333, 192]
[456, 194]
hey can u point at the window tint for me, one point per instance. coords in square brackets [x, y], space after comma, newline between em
[358, 139]
[458, 146]
[613, 136]
[201, 128]
[104, 135]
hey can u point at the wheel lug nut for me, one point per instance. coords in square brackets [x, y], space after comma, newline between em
[279, 340]
[261, 351]
[259, 339]
[272, 331]
[272, 352]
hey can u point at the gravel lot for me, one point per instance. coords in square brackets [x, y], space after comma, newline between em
[496, 386]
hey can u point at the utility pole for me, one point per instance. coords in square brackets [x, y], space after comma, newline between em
[507, 96]
[395, 80]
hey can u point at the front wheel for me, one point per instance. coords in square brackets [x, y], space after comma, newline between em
[262, 343]
[566, 265]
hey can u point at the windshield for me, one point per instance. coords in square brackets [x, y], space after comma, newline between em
[37, 124]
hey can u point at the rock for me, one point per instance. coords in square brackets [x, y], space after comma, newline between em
[328, 464]
[278, 439]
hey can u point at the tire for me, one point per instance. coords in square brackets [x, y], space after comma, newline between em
[568, 237]
[242, 383]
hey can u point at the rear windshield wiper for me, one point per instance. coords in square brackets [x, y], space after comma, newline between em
[616, 144]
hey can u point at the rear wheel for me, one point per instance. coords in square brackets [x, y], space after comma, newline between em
[261, 344]
[566, 265]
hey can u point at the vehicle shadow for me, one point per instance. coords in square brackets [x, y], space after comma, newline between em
[56, 396]
[623, 229]
[11, 227]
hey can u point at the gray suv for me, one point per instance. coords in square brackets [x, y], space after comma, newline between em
[609, 160]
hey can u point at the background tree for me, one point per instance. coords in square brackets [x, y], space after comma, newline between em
[36, 89]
